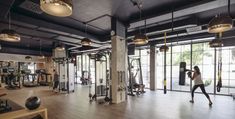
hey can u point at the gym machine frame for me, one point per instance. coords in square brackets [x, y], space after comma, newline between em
[130, 74]
[98, 57]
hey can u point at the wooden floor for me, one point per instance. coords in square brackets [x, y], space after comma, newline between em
[151, 105]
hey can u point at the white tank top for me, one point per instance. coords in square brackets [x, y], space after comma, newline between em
[198, 80]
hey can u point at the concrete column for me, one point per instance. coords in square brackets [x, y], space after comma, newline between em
[153, 81]
[118, 62]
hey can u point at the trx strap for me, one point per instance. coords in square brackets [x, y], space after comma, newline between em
[219, 84]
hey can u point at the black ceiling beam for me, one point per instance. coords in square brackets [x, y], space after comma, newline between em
[53, 26]
[43, 38]
[23, 51]
[147, 14]
[87, 24]
[191, 9]
[17, 46]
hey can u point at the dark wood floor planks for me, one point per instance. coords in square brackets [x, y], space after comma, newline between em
[152, 105]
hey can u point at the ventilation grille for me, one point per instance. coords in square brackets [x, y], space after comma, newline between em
[31, 6]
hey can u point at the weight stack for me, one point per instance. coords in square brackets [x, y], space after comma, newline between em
[182, 73]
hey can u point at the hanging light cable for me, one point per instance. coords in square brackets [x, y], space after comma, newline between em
[41, 55]
[9, 34]
[141, 39]
[86, 41]
[60, 8]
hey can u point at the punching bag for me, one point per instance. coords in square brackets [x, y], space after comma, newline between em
[182, 73]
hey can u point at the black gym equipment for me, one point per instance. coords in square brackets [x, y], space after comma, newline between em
[29, 80]
[182, 73]
[164, 49]
[32, 103]
[11, 80]
[102, 79]
[42, 77]
[219, 84]
[4, 106]
[85, 78]
[132, 77]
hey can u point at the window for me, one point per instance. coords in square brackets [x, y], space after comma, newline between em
[180, 53]
[145, 67]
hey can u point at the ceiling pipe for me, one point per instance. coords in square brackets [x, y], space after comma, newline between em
[76, 47]
[45, 38]
[92, 50]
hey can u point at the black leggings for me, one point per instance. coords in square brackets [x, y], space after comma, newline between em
[202, 88]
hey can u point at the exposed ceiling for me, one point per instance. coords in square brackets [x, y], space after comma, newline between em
[34, 25]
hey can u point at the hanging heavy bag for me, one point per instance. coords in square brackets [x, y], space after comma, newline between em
[182, 73]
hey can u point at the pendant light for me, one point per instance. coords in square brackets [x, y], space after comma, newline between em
[164, 48]
[86, 41]
[9, 34]
[41, 55]
[221, 23]
[217, 42]
[141, 39]
[60, 47]
[29, 58]
[59, 8]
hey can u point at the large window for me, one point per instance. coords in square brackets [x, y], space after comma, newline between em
[145, 67]
[180, 53]
[228, 70]
[203, 57]
[144, 56]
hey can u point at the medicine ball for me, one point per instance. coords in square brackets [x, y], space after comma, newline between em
[32, 103]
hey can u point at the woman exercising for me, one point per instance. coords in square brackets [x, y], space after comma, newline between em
[198, 83]
[56, 80]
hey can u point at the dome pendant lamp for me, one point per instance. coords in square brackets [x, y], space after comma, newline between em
[86, 41]
[29, 58]
[221, 23]
[217, 42]
[164, 48]
[60, 47]
[141, 39]
[59, 8]
[9, 34]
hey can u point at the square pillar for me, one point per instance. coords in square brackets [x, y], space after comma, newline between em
[118, 61]
[119, 69]
[153, 81]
